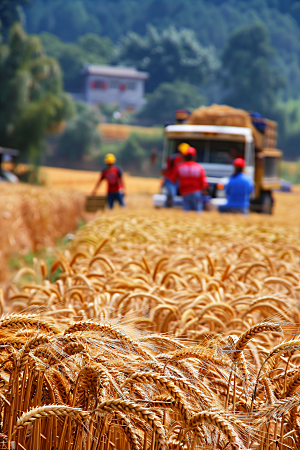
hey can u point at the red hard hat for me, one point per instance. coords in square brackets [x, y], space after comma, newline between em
[191, 151]
[239, 162]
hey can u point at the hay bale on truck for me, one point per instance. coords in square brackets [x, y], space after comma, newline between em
[223, 115]
[220, 134]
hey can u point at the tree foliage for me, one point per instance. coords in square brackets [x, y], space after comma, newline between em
[73, 30]
[72, 56]
[248, 75]
[168, 56]
[166, 99]
[213, 21]
[68, 19]
[11, 11]
[133, 154]
[81, 135]
[32, 102]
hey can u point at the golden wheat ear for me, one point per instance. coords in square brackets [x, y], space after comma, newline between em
[43, 412]
[128, 407]
[16, 322]
[251, 333]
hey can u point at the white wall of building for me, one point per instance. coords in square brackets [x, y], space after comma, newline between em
[128, 93]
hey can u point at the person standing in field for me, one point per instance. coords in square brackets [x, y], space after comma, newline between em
[192, 181]
[115, 186]
[168, 171]
[238, 190]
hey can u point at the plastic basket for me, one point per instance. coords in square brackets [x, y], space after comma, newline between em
[94, 203]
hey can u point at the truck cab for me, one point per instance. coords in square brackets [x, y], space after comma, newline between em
[217, 147]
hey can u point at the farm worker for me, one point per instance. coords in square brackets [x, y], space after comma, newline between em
[168, 172]
[192, 181]
[115, 186]
[238, 190]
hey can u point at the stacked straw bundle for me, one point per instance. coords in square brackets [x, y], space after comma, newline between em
[223, 115]
[158, 334]
[33, 217]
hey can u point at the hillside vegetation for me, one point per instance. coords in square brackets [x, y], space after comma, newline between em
[245, 54]
[212, 20]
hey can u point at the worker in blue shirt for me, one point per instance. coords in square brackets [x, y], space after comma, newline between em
[238, 190]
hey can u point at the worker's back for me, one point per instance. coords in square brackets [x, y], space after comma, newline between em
[238, 191]
[191, 176]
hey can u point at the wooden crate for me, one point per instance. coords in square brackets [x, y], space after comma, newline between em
[95, 202]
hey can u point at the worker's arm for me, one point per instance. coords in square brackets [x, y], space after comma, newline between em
[251, 186]
[175, 175]
[166, 166]
[203, 179]
[228, 187]
[100, 179]
[121, 179]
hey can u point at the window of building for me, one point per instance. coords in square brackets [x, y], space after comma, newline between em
[104, 85]
[113, 84]
[99, 84]
[122, 87]
[131, 86]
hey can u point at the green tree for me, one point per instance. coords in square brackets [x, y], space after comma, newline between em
[11, 11]
[213, 21]
[131, 153]
[67, 19]
[168, 56]
[251, 80]
[90, 48]
[81, 135]
[32, 102]
[96, 46]
[166, 99]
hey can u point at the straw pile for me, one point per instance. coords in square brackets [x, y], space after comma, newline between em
[158, 334]
[34, 217]
[223, 115]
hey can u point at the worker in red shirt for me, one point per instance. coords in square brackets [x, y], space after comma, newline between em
[168, 172]
[192, 181]
[115, 186]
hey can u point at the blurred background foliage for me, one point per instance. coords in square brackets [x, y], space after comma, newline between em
[32, 101]
[134, 154]
[167, 56]
[167, 98]
[213, 22]
[245, 53]
[71, 56]
[80, 136]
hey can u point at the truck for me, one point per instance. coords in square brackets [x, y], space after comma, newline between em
[221, 134]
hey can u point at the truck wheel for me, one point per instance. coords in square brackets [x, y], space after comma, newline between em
[266, 202]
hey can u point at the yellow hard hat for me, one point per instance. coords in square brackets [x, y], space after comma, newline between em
[183, 148]
[110, 158]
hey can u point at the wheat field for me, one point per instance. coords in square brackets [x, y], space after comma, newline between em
[84, 181]
[35, 217]
[139, 192]
[153, 329]
[156, 330]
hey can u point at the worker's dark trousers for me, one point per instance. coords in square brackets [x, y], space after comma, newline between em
[193, 202]
[171, 191]
[112, 196]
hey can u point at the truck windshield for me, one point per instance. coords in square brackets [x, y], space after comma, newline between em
[212, 151]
